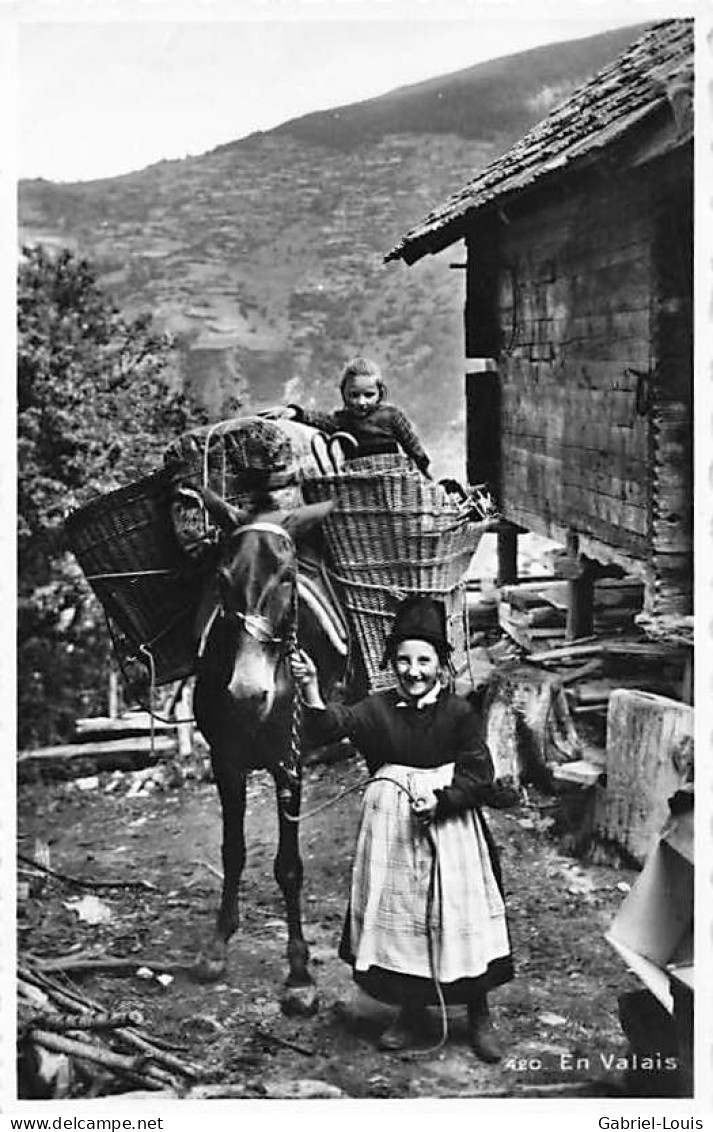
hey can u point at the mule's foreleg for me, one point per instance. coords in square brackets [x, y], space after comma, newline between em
[211, 962]
[300, 993]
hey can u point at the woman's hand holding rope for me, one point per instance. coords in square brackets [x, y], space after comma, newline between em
[304, 673]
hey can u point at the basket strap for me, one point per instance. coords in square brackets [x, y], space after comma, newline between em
[397, 591]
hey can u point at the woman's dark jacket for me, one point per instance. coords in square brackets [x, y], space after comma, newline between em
[386, 729]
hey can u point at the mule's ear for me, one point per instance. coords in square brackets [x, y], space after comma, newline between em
[223, 513]
[300, 522]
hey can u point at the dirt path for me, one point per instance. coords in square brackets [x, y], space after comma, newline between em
[557, 1019]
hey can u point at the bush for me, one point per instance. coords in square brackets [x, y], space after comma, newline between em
[98, 399]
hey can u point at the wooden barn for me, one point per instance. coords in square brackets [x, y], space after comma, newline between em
[579, 307]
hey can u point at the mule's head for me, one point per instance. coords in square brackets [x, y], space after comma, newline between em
[257, 590]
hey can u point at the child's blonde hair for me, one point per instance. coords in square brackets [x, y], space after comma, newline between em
[357, 367]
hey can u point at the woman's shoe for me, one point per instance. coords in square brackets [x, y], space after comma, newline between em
[481, 1033]
[402, 1033]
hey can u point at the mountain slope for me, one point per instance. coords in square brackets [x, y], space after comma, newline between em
[265, 256]
[499, 98]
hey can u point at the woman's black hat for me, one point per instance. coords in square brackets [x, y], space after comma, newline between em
[422, 619]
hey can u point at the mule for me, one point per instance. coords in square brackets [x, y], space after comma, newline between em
[246, 707]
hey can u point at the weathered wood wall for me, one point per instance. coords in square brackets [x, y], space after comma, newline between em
[672, 400]
[590, 312]
[576, 300]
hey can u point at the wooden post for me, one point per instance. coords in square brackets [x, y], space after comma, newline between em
[507, 554]
[580, 575]
[113, 693]
[580, 606]
[482, 400]
[185, 727]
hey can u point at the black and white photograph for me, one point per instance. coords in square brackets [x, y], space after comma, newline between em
[353, 579]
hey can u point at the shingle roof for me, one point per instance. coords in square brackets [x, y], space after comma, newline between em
[656, 69]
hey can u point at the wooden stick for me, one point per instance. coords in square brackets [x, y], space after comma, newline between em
[100, 1055]
[109, 963]
[91, 884]
[63, 996]
[167, 1046]
[186, 1069]
[270, 1037]
[587, 669]
[60, 1023]
[211, 868]
[60, 996]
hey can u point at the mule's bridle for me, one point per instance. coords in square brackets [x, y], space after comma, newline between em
[255, 625]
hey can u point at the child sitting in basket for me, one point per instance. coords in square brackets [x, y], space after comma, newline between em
[377, 426]
[426, 916]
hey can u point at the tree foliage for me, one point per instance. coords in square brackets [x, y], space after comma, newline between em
[99, 396]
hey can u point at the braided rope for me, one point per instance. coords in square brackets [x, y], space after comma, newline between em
[291, 767]
[296, 729]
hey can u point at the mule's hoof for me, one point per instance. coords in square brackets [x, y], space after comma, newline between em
[302, 1000]
[208, 968]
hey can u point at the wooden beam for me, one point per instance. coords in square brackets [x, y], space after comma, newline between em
[580, 595]
[507, 554]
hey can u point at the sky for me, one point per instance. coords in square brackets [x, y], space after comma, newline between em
[103, 89]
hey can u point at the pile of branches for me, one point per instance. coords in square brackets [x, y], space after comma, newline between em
[69, 1046]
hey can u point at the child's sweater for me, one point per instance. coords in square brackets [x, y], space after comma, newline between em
[385, 429]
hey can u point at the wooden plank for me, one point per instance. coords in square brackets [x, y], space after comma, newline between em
[599, 691]
[537, 472]
[581, 505]
[544, 480]
[566, 652]
[597, 462]
[81, 759]
[633, 350]
[629, 492]
[87, 730]
[581, 772]
[104, 747]
[614, 539]
[608, 442]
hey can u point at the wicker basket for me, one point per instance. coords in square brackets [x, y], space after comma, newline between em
[119, 539]
[393, 534]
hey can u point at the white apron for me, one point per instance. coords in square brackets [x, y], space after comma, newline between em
[392, 913]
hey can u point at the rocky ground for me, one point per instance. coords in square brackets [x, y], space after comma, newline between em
[557, 1020]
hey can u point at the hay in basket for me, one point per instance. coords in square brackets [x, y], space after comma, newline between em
[236, 457]
[393, 534]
